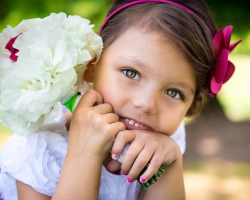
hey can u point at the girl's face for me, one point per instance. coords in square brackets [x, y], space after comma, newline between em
[147, 80]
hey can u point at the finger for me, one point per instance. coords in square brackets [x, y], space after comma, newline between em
[121, 140]
[111, 118]
[103, 108]
[115, 128]
[139, 164]
[131, 156]
[90, 98]
[114, 166]
[152, 168]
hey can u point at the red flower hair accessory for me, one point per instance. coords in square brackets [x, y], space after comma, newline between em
[223, 68]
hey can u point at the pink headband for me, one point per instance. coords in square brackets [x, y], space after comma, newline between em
[145, 1]
[223, 68]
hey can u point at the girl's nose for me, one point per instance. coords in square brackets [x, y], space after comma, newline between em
[146, 101]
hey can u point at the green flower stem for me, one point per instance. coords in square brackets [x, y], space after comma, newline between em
[70, 104]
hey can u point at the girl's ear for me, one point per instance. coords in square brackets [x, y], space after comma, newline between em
[88, 75]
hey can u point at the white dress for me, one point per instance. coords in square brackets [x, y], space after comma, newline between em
[37, 159]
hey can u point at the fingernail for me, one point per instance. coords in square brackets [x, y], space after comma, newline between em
[115, 157]
[129, 180]
[142, 179]
[124, 173]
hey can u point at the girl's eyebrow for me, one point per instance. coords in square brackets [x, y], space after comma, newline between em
[135, 62]
[185, 86]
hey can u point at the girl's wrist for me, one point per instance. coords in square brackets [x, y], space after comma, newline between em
[79, 171]
[84, 157]
[175, 154]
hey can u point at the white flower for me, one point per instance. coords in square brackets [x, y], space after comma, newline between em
[78, 31]
[43, 60]
[9, 33]
[18, 124]
[42, 74]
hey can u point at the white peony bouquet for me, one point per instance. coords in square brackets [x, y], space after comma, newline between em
[42, 62]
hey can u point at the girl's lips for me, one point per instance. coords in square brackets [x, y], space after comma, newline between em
[133, 125]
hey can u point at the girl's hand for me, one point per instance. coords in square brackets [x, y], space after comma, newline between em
[94, 127]
[146, 146]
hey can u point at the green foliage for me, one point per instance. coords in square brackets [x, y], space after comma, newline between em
[235, 12]
[12, 12]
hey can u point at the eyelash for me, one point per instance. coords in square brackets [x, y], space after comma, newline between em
[132, 71]
[177, 93]
[125, 72]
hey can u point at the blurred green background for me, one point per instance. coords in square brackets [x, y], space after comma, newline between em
[217, 159]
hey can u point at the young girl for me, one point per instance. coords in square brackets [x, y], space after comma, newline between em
[160, 60]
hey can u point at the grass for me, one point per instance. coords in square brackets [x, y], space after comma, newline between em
[217, 180]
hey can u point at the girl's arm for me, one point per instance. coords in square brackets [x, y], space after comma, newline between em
[92, 132]
[169, 186]
[80, 178]
[26, 192]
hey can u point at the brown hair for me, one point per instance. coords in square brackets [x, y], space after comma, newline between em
[192, 34]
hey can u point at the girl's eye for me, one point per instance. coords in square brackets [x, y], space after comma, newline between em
[131, 74]
[174, 94]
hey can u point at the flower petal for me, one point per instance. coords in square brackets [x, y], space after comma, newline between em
[227, 31]
[220, 67]
[223, 69]
[229, 72]
[232, 46]
[218, 42]
[215, 86]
